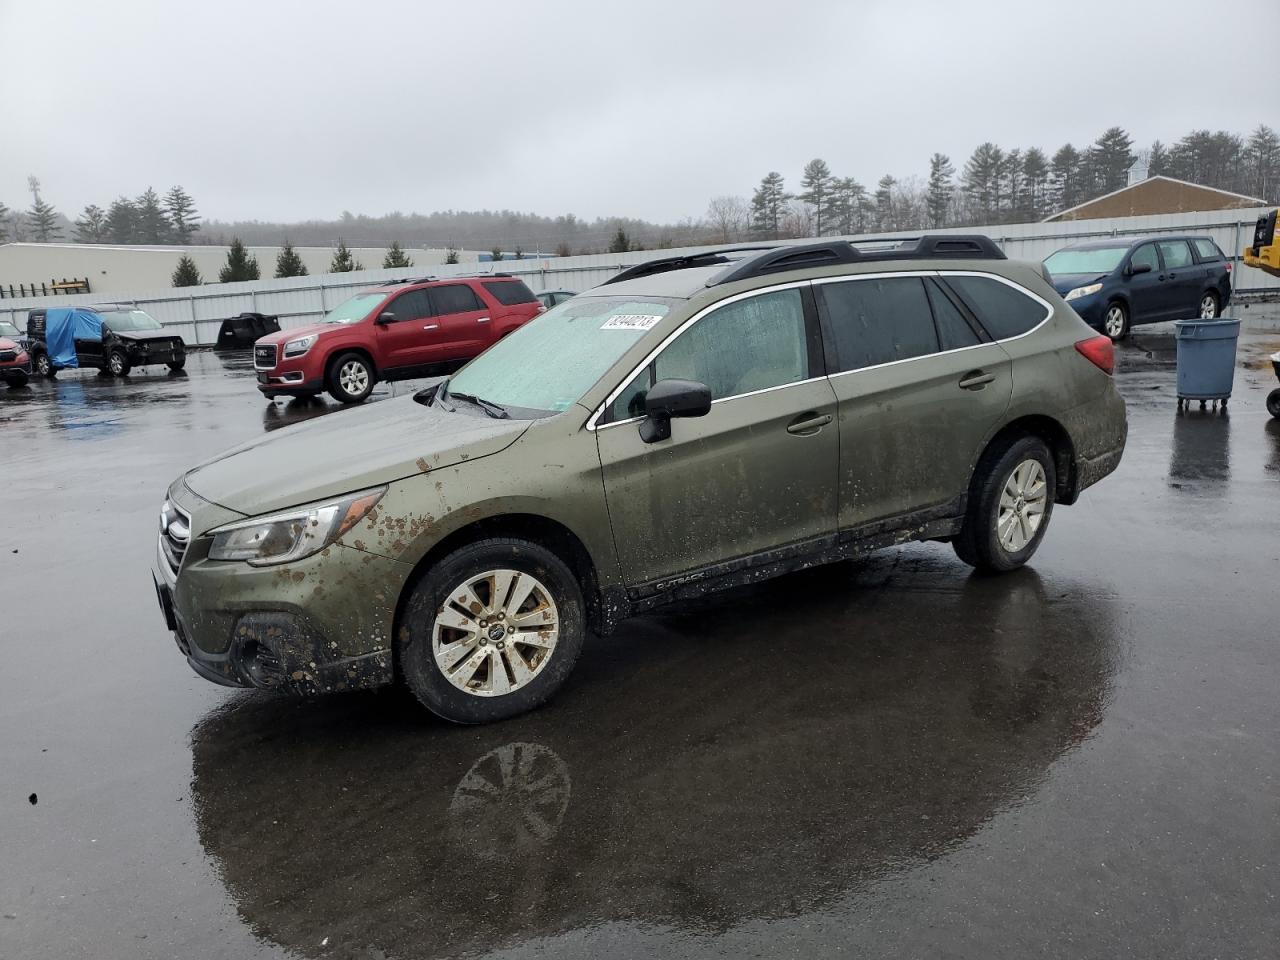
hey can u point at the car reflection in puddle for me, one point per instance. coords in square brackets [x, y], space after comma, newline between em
[748, 758]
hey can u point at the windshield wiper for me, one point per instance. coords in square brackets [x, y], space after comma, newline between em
[489, 407]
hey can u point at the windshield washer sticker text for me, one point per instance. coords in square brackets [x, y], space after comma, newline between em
[630, 321]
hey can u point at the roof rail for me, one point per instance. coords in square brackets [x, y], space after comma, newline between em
[803, 256]
[396, 283]
[663, 265]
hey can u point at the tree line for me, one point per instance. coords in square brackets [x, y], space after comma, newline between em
[995, 185]
[242, 265]
[146, 218]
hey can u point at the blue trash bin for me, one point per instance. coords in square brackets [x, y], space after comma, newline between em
[1206, 358]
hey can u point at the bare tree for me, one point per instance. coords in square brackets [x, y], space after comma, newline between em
[727, 216]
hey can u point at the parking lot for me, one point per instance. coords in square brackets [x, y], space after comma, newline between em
[894, 757]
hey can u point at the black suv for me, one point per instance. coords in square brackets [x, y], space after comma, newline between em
[1116, 284]
[112, 338]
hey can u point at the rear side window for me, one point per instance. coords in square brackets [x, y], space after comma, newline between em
[954, 331]
[1003, 309]
[510, 292]
[869, 322]
[1207, 249]
[1176, 254]
[454, 298]
[411, 306]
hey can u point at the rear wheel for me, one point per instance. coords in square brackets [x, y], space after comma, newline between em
[1273, 403]
[492, 631]
[1115, 322]
[118, 364]
[44, 366]
[1010, 502]
[178, 364]
[351, 378]
[1209, 306]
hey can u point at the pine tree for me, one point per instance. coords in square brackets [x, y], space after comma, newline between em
[816, 184]
[122, 221]
[42, 216]
[343, 261]
[496, 254]
[1262, 164]
[620, 242]
[562, 250]
[396, 257]
[884, 203]
[1011, 185]
[1157, 159]
[768, 205]
[1067, 186]
[4, 217]
[182, 214]
[1035, 177]
[186, 274]
[519, 252]
[288, 263]
[1111, 156]
[241, 265]
[451, 254]
[938, 199]
[92, 225]
[151, 224]
[982, 180]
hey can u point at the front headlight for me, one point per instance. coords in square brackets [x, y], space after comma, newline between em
[294, 534]
[296, 348]
[1083, 291]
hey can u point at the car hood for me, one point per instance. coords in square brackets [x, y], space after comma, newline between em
[145, 334]
[345, 451]
[7, 344]
[295, 332]
[1065, 282]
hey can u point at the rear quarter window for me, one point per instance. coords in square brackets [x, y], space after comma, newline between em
[509, 292]
[1207, 249]
[1004, 310]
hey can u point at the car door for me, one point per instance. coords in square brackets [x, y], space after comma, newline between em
[919, 387]
[1181, 293]
[756, 473]
[1146, 291]
[90, 332]
[464, 326]
[401, 343]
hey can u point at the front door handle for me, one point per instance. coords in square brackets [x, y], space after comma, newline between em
[807, 424]
[976, 380]
[482, 320]
[432, 326]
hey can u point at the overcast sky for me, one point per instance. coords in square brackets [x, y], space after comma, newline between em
[288, 111]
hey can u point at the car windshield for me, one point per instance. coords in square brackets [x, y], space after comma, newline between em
[1092, 260]
[357, 308]
[122, 321]
[550, 362]
[7, 329]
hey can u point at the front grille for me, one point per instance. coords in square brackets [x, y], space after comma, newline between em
[264, 356]
[175, 535]
[7, 356]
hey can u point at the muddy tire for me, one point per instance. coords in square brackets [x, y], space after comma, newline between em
[118, 364]
[1273, 403]
[44, 366]
[1010, 503]
[491, 631]
[351, 378]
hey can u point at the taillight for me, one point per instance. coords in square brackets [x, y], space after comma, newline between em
[1228, 266]
[1100, 352]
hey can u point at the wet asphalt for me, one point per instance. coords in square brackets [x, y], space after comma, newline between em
[886, 758]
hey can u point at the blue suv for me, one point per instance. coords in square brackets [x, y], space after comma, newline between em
[1116, 284]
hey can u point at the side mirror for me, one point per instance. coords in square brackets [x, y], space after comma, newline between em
[1136, 268]
[385, 317]
[672, 398]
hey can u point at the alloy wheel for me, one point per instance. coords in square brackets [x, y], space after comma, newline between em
[353, 378]
[115, 364]
[1208, 307]
[495, 632]
[1022, 505]
[1114, 322]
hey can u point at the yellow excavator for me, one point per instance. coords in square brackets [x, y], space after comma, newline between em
[1265, 255]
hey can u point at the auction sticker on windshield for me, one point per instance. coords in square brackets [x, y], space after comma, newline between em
[630, 321]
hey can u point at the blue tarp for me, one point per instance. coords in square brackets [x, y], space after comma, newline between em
[63, 326]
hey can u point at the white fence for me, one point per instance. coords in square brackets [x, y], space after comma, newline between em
[195, 313]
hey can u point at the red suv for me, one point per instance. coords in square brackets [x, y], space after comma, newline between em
[401, 329]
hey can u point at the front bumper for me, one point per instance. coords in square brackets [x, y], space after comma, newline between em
[15, 370]
[274, 383]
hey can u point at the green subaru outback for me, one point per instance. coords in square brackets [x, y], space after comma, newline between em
[695, 423]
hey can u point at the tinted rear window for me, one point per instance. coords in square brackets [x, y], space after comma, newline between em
[1207, 249]
[870, 322]
[1001, 308]
[454, 298]
[510, 292]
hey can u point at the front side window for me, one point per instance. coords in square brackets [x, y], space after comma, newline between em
[413, 305]
[454, 298]
[1145, 254]
[875, 321]
[1004, 310]
[1176, 254]
[550, 362]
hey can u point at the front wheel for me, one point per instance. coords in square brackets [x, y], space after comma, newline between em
[351, 378]
[1273, 403]
[19, 379]
[118, 364]
[44, 366]
[492, 631]
[1115, 322]
[178, 364]
[1010, 502]
[1209, 306]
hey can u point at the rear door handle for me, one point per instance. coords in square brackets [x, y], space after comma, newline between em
[976, 380]
[808, 424]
